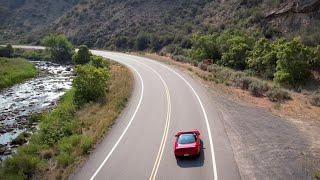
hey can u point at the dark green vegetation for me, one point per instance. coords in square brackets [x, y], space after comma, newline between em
[67, 133]
[287, 62]
[6, 51]
[60, 49]
[90, 83]
[15, 70]
[83, 56]
[117, 24]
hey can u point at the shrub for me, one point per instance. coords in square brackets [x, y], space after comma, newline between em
[90, 84]
[204, 47]
[181, 58]
[276, 94]
[293, 66]
[315, 99]
[22, 165]
[86, 144]
[64, 159]
[242, 82]
[263, 59]
[258, 88]
[59, 123]
[6, 51]
[235, 54]
[98, 62]
[203, 66]
[82, 56]
[142, 41]
[60, 49]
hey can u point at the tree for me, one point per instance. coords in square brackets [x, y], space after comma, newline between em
[98, 62]
[263, 58]
[60, 49]
[235, 53]
[121, 42]
[142, 41]
[293, 67]
[82, 56]
[90, 84]
[204, 47]
[6, 51]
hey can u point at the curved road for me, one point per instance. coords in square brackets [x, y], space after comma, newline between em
[140, 144]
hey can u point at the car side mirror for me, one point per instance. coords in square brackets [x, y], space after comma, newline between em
[176, 135]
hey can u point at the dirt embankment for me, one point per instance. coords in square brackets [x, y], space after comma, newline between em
[269, 140]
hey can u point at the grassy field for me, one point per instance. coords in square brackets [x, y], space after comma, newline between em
[15, 70]
[67, 134]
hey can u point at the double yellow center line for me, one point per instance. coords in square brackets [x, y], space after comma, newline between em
[164, 137]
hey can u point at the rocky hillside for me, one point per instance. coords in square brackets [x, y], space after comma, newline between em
[19, 17]
[105, 23]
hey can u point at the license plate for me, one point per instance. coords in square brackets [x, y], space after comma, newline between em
[186, 154]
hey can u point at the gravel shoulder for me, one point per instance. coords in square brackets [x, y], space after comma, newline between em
[269, 142]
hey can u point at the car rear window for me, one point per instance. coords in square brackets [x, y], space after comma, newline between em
[186, 139]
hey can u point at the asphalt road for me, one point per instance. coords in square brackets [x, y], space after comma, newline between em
[140, 144]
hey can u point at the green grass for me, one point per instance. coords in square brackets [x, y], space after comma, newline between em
[15, 70]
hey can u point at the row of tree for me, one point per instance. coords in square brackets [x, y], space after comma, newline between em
[287, 62]
[92, 72]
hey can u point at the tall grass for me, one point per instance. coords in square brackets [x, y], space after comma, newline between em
[15, 70]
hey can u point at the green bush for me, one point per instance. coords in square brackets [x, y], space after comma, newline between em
[22, 166]
[235, 56]
[263, 59]
[204, 47]
[276, 94]
[90, 84]
[293, 66]
[98, 62]
[60, 49]
[258, 88]
[82, 56]
[6, 51]
[60, 122]
[65, 159]
[142, 41]
[86, 144]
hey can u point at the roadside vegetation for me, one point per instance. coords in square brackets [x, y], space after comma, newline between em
[15, 70]
[265, 67]
[67, 134]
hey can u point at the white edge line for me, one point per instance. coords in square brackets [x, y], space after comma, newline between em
[125, 130]
[214, 166]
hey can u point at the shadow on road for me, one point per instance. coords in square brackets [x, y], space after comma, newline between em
[189, 162]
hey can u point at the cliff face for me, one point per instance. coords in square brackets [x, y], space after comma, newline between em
[100, 22]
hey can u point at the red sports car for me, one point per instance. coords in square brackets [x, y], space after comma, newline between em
[187, 143]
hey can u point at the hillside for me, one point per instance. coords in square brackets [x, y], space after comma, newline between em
[110, 23]
[19, 17]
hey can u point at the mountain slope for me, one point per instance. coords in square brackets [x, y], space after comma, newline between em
[106, 23]
[19, 17]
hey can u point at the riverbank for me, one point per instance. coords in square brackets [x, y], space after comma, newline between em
[77, 130]
[15, 70]
[33, 96]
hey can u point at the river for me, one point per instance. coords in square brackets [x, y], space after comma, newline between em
[18, 102]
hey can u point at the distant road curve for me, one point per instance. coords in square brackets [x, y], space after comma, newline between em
[139, 146]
